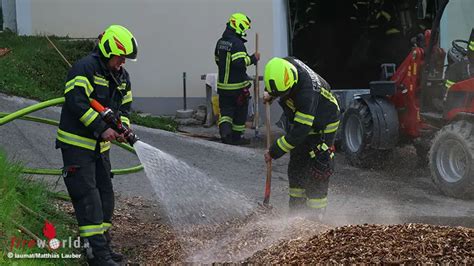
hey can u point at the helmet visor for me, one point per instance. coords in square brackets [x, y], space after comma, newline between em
[133, 55]
[273, 90]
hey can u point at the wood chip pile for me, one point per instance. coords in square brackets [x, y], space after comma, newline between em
[238, 239]
[265, 237]
[386, 244]
[152, 242]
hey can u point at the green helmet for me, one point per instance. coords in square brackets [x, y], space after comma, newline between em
[280, 75]
[117, 40]
[240, 23]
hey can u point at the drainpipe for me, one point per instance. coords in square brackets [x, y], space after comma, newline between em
[9, 15]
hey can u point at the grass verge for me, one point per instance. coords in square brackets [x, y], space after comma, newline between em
[33, 69]
[17, 191]
[161, 122]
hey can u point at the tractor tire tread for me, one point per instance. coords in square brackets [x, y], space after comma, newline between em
[367, 157]
[464, 132]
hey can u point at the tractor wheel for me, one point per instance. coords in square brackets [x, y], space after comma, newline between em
[452, 160]
[357, 128]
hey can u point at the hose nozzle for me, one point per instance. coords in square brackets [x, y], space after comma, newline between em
[132, 138]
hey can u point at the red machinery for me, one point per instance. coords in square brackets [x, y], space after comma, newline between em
[409, 107]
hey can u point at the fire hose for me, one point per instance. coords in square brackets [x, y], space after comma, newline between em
[23, 114]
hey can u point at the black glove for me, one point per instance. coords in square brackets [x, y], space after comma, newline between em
[322, 165]
[253, 59]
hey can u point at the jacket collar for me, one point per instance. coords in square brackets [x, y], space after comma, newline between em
[103, 65]
[115, 76]
[230, 33]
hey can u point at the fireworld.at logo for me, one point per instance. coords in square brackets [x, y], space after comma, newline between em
[51, 242]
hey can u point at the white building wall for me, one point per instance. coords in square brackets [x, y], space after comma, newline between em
[174, 36]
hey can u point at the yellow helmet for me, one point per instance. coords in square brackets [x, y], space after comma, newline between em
[280, 75]
[240, 23]
[118, 40]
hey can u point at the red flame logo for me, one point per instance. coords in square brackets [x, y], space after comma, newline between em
[119, 45]
[48, 230]
[286, 79]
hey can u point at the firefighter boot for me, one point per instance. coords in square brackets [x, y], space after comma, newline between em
[102, 261]
[316, 215]
[296, 205]
[100, 254]
[238, 139]
[117, 257]
[225, 130]
[319, 215]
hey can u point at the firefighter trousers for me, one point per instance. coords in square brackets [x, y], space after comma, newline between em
[233, 109]
[309, 170]
[88, 181]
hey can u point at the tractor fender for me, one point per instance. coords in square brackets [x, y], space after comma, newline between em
[385, 134]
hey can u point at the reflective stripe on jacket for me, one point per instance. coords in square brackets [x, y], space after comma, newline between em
[232, 60]
[89, 78]
[311, 108]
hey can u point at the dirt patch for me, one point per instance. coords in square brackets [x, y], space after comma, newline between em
[386, 244]
[266, 236]
[142, 235]
[145, 237]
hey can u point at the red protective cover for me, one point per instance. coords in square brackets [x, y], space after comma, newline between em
[466, 86]
[97, 106]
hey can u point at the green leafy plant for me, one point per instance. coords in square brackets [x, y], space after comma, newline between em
[25, 203]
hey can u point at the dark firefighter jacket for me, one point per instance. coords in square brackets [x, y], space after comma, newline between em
[232, 60]
[310, 107]
[458, 71]
[89, 78]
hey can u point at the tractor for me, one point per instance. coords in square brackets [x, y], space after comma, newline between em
[410, 105]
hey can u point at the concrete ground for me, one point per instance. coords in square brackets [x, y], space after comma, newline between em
[403, 193]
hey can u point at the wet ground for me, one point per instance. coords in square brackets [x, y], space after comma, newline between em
[401, 192]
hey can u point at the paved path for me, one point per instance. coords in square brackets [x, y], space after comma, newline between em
[402, 194]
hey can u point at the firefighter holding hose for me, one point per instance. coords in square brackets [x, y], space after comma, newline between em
[84, 136]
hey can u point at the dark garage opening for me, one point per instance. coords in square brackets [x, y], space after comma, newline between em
[347, 41]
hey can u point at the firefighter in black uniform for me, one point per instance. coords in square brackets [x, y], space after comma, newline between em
[84, 138]
[233, 83]
[313, 114]
[461, 70]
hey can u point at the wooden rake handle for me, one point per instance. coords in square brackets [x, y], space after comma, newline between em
[268, 182]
